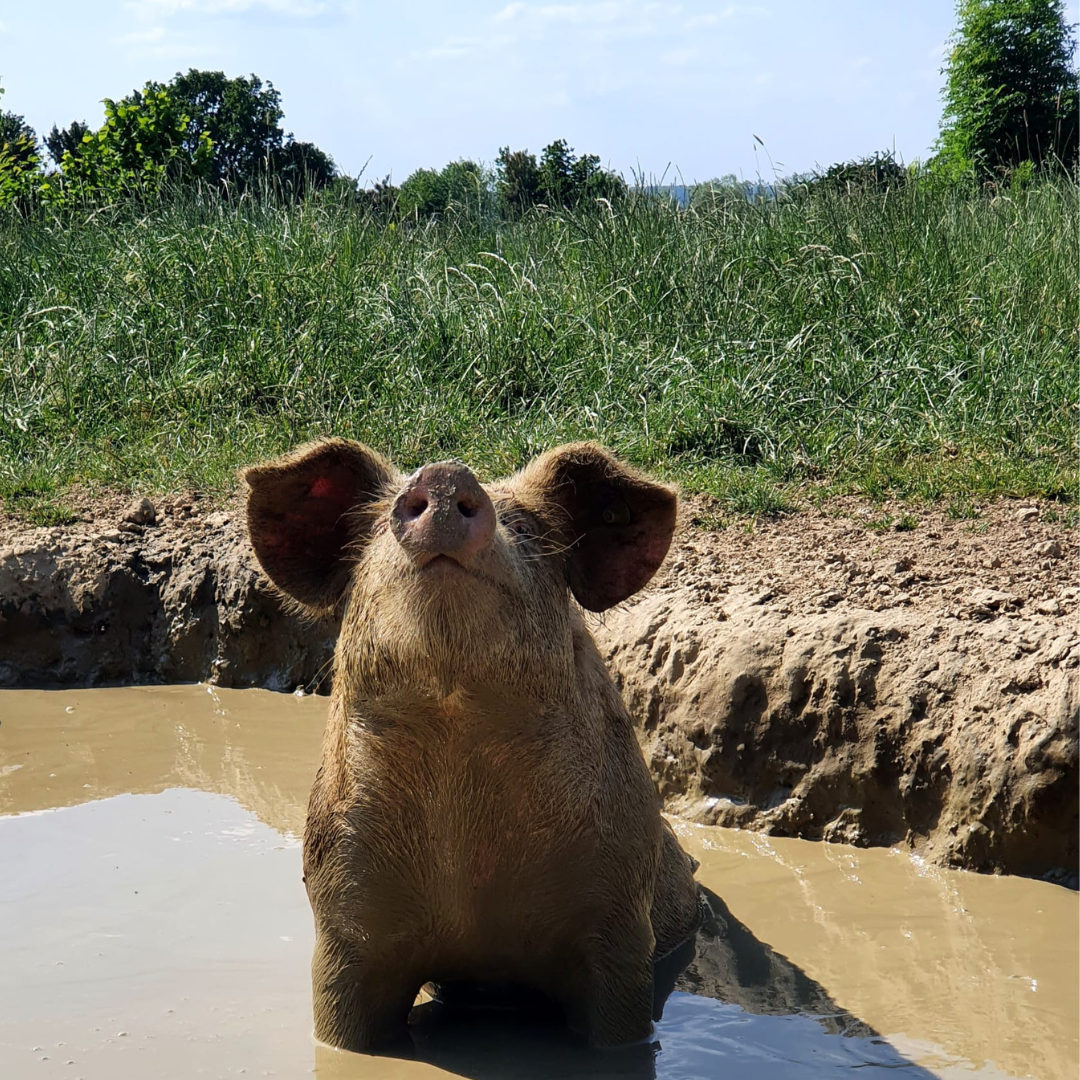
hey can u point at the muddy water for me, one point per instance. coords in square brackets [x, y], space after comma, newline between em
[153, 923]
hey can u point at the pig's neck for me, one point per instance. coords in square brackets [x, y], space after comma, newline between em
[429, 712]
[505, 698]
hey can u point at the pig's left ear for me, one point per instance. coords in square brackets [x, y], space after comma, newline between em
[305, 516]
[616, 523]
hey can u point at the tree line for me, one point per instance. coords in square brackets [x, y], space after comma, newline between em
[199, 127]
[1011, 108]
[205, 128]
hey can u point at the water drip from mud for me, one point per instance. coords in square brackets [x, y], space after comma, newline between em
[154, 923]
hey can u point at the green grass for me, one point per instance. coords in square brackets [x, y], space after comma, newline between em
[920, 345]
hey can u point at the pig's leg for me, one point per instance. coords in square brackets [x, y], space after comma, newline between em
[676, 907]
[360, 1000]
[608, 993]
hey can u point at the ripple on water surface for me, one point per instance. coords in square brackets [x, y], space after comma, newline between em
[154, 924]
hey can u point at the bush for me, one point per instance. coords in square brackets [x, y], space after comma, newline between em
[1011, 91]
[561, 179]
[876, 172]
[297, 168]
[427, 193]
[20, 174]
[140, 146]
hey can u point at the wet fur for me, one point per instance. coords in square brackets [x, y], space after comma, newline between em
[483, 812]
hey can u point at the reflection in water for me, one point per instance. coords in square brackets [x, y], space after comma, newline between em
[729, 964]
[117, 910]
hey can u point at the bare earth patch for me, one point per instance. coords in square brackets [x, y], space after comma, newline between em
[824, 675]
[813, 676]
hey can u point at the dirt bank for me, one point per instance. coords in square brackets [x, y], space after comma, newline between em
[821, 675]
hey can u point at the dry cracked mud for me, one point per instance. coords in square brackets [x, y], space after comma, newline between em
[821, 675]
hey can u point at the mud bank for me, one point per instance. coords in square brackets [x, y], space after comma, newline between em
[810, 677]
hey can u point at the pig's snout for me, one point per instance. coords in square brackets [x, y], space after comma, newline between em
[443, 510]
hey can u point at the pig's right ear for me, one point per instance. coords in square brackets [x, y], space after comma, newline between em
[305, 510]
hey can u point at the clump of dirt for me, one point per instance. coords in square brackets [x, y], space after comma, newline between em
[140, 591]
[825, 675]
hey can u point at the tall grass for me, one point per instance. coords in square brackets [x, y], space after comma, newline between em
[920, 343]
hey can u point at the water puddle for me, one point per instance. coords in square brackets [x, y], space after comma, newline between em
[153, 923]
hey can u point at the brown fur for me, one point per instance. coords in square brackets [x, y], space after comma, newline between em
[483, 812]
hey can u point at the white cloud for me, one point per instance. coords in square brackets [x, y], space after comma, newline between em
[454, 47]
[166, 43]
[581, 14]
[679, 57]
[511, 11]
[142, 37]
[731, 11]
[157, 9]
[606, 13]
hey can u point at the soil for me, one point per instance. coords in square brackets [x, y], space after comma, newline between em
[824, 675]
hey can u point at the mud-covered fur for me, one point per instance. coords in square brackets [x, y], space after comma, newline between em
[482, 812]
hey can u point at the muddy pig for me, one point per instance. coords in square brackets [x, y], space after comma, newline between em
[483, 813]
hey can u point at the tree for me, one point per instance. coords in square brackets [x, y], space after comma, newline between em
[17, 136]
[517, 181]
[422, 194]
[568, 181]
[141, 144]
[380, 199]
[20, 172]
[1011, 89]
[557, 181]
[61, 141]
[593, 182]
[427, 192]
[878, 172]
[467, 185]
[241, 117]
[300, 167]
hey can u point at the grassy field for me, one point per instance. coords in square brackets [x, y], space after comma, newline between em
[921, 345]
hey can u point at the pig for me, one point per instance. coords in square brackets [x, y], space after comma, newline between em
[483, 814]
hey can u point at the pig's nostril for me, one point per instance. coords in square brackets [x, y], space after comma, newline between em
[466, 510]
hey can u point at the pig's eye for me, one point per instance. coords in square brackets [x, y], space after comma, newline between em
[519, 527]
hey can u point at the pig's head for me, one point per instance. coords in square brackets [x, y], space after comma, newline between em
[446, 582]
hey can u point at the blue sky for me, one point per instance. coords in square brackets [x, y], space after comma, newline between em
[649, 86]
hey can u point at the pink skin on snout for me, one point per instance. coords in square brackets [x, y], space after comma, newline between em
[443, 510]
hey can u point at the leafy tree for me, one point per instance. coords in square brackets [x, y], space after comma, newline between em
[67, 140]
[517, 181]
[557, 181]
[422, 194]
[20, 174]
[878, 172]
[1011, 90]
[241, 117]
[568, 181]
[141, 144]
[722, 190]
[18, 137]
[593, 182]
[300, 167]
[427, 192]
[381, 198]
[466, 185]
